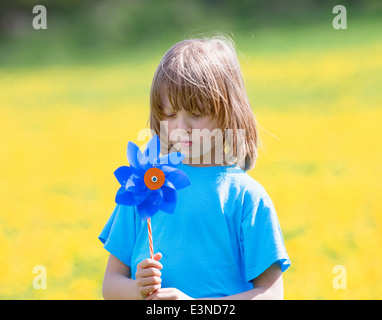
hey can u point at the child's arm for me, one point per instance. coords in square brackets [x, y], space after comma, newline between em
[267, 286]
[117, 282]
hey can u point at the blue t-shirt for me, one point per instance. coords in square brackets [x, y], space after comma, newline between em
[223, 233]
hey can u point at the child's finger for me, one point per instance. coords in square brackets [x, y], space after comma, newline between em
[147, 263]
[148, 290]
[158, 256]
[159, 294]
[155, 294]
[148, 272]
[149, 281]
[151, 296]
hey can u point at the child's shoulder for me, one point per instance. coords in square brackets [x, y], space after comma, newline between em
[248, 186]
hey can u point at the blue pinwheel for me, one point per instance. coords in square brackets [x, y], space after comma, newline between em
[150, 182]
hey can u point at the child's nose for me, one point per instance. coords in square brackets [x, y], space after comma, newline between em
[183, 123]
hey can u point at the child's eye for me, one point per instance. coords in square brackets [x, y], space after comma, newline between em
[170, 115]
[197, 115]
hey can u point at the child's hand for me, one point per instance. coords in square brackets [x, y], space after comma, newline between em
[168, 294]
[148, 276]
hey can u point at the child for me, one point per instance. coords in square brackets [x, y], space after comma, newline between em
[224, 239]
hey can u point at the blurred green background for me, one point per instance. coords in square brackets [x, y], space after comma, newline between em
[112, 31]
[72, 96]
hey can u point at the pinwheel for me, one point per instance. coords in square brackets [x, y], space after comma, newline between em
[150, 182]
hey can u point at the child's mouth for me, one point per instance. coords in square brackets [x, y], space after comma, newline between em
[186, 144]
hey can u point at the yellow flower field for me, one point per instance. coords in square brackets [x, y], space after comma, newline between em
[65, 130]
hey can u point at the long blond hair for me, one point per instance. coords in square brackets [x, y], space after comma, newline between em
[203, 76]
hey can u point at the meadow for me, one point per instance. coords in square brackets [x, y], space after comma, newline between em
[316, 94]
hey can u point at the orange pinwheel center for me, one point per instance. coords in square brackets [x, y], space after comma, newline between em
[154, 178]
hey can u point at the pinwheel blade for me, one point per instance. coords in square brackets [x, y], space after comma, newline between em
[169, 194]
[150, 205]
[126, 197]
[179, 179]
[172, 159]
[123, 174]
[167, 170]
[169, 199]
[168, 207]
[134, 154]
[136, 185]
[152, 150]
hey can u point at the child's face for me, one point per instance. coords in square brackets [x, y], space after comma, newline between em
[187, 132]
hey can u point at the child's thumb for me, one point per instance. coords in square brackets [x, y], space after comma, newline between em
[157, 256]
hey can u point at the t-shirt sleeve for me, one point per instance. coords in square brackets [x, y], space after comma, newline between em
[262, 240]
[118, 235]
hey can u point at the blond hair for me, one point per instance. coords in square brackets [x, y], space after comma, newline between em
[203, 76]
